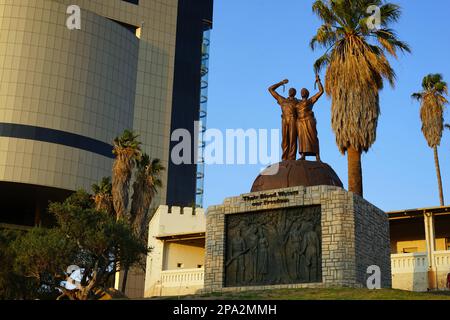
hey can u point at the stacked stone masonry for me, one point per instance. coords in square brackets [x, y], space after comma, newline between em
[355, 235]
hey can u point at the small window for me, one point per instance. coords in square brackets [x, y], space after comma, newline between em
[136, 2]
[180, 265]
[199, 266]
[410, 250]
[129, 27]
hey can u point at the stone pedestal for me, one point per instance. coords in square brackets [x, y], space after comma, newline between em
[299, 237]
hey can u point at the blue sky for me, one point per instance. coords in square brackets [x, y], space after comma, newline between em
[256, 43]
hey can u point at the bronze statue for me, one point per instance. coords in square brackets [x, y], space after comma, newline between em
[288, 125]
[308, 142]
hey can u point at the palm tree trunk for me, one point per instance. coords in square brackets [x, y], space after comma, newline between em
[438, 173]
[355, 184]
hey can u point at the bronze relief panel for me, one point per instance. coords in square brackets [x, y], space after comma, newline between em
[281, 246]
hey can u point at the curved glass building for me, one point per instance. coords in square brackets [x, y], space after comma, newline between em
[65, 94]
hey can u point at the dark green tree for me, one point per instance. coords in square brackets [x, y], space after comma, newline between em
[84, 237]
[13, 286]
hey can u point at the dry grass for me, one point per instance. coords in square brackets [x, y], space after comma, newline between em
[321, 294]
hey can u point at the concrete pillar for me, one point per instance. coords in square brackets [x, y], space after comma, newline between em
[117, 281]
[431, 245]
[155, 258]
[155, 264]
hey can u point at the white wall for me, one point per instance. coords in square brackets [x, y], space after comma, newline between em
[410, 270]
[172, 222]
[189, 256]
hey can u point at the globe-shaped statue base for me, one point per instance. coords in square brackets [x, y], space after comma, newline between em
[294, 173]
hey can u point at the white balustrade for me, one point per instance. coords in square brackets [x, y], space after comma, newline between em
[183, 278]
[409, 262]
[418, 262]
[442, 260]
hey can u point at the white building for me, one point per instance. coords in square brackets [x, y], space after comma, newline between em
[176, 264]
[420, 247]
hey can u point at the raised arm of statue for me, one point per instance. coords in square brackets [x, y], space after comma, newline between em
[320, 93]
[273, 89]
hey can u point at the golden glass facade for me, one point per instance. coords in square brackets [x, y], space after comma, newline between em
[65, 94]
[93, 82]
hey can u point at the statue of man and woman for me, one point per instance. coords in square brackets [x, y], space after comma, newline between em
[298, 122]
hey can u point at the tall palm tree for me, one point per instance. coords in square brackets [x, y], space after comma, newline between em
[433, 101]
[127, 150]
[356, 65]
[146, 185]
[103, 195]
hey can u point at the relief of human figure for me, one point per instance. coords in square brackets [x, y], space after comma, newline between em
[281, 237]
[296, 252]
[251, 257]
[263, 256]
[238, 250]
[308, 141]
[310, 251]
[292, 247]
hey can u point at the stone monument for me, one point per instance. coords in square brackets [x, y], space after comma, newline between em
[298, 227]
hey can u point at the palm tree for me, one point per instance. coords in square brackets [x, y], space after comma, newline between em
[432, 115]
[127, 150]
[103, 195]
[356, 64]
[146, 185]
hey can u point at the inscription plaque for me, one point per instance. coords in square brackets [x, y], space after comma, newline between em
[281, 246]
